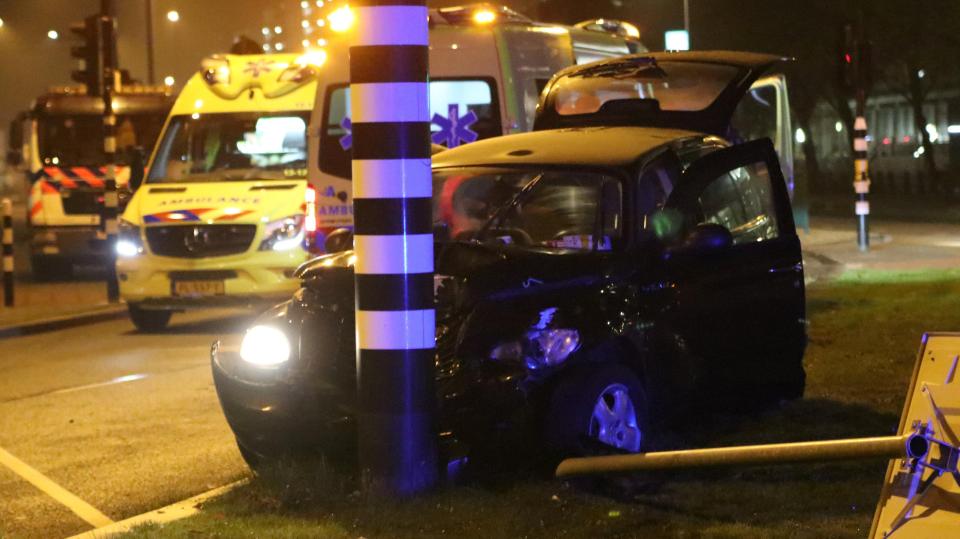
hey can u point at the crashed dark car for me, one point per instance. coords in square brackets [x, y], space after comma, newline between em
[592, 277]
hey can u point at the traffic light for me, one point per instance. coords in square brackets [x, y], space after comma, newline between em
[88, 53]
[97, 52]
[855, 59]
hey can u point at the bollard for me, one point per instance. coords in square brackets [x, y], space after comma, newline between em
[7, 252]
[393, 240]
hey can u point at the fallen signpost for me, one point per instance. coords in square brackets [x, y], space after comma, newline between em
[921, 491]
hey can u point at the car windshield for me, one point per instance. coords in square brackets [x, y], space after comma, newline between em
[232, 147]
[540, 208]
[77, 139]
[669, 86]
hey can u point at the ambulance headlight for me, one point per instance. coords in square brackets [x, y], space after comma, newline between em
[266, 346]
[283, 234]
[129, 243]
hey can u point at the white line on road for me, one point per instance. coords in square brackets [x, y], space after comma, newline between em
[176, 511]
[117, 380]
[82, 509]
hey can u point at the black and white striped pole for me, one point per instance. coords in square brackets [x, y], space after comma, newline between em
[7, 252]
[861, 180]
[393, 240]
[108, 217]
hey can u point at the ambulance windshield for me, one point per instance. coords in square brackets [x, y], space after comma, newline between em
[232, 147]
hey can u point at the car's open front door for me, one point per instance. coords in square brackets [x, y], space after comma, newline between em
[740, 298]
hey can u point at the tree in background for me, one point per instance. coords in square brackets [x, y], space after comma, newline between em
[916, 46]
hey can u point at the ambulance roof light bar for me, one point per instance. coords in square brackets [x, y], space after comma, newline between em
[481, 14]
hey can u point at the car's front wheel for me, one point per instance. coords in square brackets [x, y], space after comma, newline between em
[148, 321]
[606, 411]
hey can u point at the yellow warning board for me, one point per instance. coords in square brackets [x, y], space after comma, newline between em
[921, 497]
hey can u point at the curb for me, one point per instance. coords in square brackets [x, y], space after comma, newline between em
[170, 513]
[54, 323]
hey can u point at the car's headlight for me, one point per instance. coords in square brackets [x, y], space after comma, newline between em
[539, 348]
[266, 346]
[283, 234]
[129, 243]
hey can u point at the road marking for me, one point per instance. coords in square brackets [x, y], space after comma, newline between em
[82, 509]
[117, 380]
[170, 513]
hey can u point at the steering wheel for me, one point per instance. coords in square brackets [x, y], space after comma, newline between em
[517, 235]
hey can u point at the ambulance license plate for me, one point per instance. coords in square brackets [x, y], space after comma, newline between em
[199, 288]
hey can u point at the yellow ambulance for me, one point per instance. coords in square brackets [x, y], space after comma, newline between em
[225, 213]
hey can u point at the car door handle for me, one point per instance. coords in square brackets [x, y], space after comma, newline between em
[796, 268]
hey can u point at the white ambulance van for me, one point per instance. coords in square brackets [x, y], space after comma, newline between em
[487, 68]
[226, 213]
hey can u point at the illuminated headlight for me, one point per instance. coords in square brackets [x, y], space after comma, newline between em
[129, 243]
[539, 348]
[265, 346]
[283, 234]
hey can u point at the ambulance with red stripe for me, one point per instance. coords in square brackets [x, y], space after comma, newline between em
[225, 214]
[62, 141]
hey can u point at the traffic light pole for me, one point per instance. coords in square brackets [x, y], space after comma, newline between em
[108, 217]
[861, 179]
[393, 241]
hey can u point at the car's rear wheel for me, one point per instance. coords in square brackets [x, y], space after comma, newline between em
[148, 321]
[605, 412]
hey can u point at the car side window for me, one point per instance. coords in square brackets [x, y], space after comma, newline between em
[654, 185]
[742, 201]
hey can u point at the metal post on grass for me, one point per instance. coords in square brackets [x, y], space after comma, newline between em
[394, 246]
[7, 252]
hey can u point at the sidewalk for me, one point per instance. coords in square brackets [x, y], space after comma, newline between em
[44, 306]
[830, 248]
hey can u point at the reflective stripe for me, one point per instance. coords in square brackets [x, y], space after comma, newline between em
[110, 145]
[389, 25]
[862, 207]
[8, 263]
[861, 187]
[860, 123]
[395, 330]
[391, 254]
[860, 145]
[8, 236]
[392, 178]
[390, 102]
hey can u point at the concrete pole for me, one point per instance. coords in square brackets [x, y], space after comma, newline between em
[393, 239]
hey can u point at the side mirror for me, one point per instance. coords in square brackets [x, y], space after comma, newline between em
[137, 166]
[707, 238]
[339, 240]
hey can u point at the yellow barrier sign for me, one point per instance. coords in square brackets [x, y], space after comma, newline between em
[921, 496]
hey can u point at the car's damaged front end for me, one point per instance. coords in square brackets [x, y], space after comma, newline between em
[503, 332]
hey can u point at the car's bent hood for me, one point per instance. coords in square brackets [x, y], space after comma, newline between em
[697, 91]
[491, 270]
[216, 202]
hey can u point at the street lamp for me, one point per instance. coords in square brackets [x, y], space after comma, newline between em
[1, 22]
[53, 34]
[173, 15]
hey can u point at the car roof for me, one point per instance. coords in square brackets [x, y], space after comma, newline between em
[585, 146]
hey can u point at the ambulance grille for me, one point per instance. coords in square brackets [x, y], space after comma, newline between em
[200, 241]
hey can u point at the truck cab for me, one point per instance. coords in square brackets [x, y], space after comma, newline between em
[62, 158]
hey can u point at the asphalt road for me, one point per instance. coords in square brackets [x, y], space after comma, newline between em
[126, 422]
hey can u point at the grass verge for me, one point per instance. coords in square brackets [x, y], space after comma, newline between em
[864, 334]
